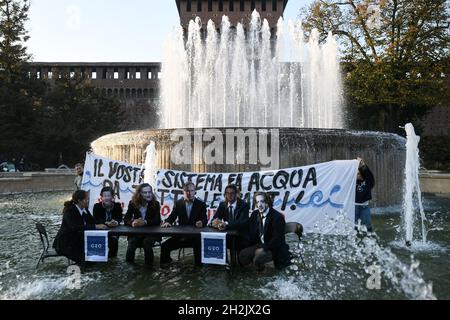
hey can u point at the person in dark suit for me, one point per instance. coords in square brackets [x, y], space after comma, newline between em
[189, 211]
[109, 212]
[233, 214]
[69, 240]
[143, 210]
[266, 236]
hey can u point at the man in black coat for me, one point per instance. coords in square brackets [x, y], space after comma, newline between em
[69, 240]
[233, 214]
[109, 212]
[188, 211]
[266, 230]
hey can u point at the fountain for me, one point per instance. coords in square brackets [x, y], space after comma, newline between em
[231, 79]
[238, 80]
[149, 164]
[412, 198]
[298, 104]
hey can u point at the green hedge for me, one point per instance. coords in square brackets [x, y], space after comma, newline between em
[435, 152]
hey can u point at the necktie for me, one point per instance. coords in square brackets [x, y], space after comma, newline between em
[260, 226]
[85, 216]
[230, 214]
[108, 216]
[188, 209]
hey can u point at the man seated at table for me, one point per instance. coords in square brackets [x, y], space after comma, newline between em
[266, 235]
[109, 213]
[189, 211]
[233, 214]
[143, 210]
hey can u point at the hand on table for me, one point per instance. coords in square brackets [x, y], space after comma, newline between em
[137, 223]
[199, 224]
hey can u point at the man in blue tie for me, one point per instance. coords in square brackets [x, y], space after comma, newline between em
[233, 214]
[188, 211]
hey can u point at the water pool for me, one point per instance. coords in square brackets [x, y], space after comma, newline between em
[337, 267]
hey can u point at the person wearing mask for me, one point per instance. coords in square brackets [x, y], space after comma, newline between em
[266, 236]
[69, 240]
[143, 210]
[109, 212]
[188, 211]
[233, 214]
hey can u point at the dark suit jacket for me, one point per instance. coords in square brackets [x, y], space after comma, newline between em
[69, 240]
[274, 239]
[241, 215]
[152, 216]
[100, 213]
[198, 213]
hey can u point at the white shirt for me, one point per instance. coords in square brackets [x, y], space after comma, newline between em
[264, 216]
[143, 211]
[189, 205]
[81, 210]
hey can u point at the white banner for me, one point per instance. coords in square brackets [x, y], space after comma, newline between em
[321, 197]
[214, 248]
[100, 172]
[96, 246]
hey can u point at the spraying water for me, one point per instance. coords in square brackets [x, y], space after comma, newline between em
[239, 78]
[150, 164]
[412, 198]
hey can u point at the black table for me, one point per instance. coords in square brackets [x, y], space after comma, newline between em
[176, 231]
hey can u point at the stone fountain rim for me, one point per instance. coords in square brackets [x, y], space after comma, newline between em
[315, 131]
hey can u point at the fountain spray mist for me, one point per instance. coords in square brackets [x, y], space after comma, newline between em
[412, 197]
[239, 77]
[150, 164]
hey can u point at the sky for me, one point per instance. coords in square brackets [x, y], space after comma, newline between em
[106, 30]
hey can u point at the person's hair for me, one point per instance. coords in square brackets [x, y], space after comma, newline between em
[76, 197]
[187, 184]
[79, 164]
[107, 189]
[232, 186]
[267, 198]
[138, 201]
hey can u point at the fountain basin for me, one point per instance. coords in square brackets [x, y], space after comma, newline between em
[383, 152]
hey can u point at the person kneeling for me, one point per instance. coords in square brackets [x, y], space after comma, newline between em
[266, 235]
[143, 210]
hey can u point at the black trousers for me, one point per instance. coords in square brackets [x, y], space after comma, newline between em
[141, 242]
[113, 245]
[248, 256]
[177, 243]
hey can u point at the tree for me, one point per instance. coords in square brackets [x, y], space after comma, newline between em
[17, 92]
[13, 35]
[44, 120]
[72, 114]
[394, 55]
